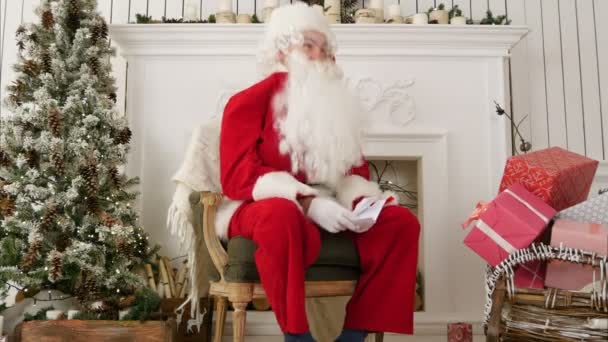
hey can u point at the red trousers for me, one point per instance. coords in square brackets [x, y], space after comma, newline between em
[288, 243]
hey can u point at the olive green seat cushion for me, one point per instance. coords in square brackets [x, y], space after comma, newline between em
[337, 260]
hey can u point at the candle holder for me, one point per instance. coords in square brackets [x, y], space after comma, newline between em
[417, 19]
[438, 15]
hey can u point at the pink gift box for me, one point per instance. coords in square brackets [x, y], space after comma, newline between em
[531, 275]
[586, 236]
[513, 220]
[460, 332]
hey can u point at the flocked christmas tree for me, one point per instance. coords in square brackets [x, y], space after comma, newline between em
[66, 210]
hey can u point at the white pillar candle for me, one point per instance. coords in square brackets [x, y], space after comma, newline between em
[224, 6]
[225, 17]
[394, 10]
[73, 313]
[378, 7]
[333, 12]
[191, 12]
[54, 314]
[271, 3]
[420, 18]
[266, 12]
[365, 16]
[243, 19]
[458, 21]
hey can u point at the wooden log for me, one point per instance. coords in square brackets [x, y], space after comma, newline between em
[150, 275]
[164, 278]
[180, 279]
[170, 277]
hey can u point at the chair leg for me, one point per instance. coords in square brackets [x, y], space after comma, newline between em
[220, 309]
[238, 321]
[379, 337]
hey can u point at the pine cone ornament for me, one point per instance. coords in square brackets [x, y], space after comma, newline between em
[56, 265]
[87, 288]
[58, 162]
[106, 219]
[55, 121]
[49, 218]
[33, 158]
[47, 19]
[45, 57]
[94, 65]
[114, 175]
[73, 17]
[7, 204]
[63, 241]
[16, 92]
[122, 136]
[124, 247]
[19, 35]
[89, 173]
[31, 256]
[99, 31]
[30, 68]
[5, 160]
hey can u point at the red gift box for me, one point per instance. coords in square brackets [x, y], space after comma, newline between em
[513, 220]
[460, 332]
[589, 237]
[560, 178]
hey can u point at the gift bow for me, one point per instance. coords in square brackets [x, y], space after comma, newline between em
[489, 231]
[479, 209]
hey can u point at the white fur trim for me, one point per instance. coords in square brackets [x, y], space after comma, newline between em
[352, 187]
[280, 184]
[222, 218]
[286, 20]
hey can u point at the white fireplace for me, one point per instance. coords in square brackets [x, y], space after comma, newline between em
[430, 91]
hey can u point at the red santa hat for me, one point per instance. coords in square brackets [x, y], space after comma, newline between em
[285, 28]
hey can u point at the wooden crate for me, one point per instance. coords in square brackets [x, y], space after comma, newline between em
[96, 331]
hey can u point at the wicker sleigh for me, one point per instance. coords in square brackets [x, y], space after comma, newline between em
[515, 314]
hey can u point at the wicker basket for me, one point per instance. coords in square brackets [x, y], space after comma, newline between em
[515, 314]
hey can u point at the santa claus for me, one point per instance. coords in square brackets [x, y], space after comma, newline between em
[291, 154]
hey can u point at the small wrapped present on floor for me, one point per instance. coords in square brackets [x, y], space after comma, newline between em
[460, 332]
[594, 210]
[589, 237]
[560, 178]
[513, 220]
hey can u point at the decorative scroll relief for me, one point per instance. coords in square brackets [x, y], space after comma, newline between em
[386, 103]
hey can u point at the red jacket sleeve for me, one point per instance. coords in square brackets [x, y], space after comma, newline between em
[242, 125]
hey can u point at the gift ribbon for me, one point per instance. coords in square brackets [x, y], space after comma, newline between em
[528, 205]
[491, 233]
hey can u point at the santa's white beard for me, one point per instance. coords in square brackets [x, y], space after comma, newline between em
[319, 120]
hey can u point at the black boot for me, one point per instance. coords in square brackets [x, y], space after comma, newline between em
[349, 335]
[305, 337]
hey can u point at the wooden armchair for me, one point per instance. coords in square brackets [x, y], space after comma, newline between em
[235, 280]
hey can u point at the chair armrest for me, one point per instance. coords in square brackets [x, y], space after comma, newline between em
[210, 201]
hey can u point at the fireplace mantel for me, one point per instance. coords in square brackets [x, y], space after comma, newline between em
[358, 40]
[429, 91]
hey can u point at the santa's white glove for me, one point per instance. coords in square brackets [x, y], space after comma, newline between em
[330, 215]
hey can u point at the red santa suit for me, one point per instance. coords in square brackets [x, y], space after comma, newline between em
[253, 170]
